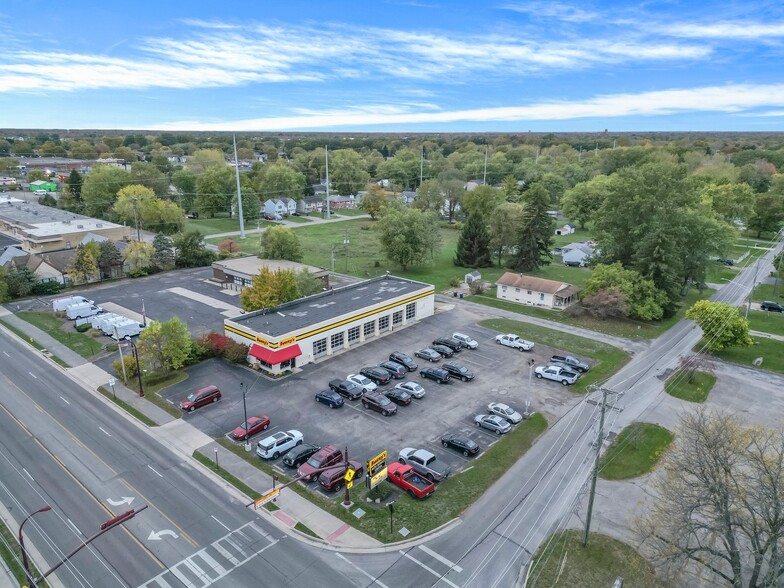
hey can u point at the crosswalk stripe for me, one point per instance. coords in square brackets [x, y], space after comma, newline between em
[225, 553]
[212, 563]
[441, 558]
[183, 578]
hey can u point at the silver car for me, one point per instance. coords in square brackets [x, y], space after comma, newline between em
[412, 388]
[492, 422]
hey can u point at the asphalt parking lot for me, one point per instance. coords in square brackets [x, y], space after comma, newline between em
[501, 376]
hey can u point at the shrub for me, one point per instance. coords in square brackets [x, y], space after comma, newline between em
[47, 288]
[218, 345]
[235, 352]
[477, 287]
[198, 352]
[130, 366]
[83, 328]
[455, 282]
[138, 273]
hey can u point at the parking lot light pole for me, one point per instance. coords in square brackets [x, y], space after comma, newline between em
[531, 363]
[25, 562]
[244, 391]
[138, 365]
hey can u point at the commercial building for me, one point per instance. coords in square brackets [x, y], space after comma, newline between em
[237, 273]
[316, 327]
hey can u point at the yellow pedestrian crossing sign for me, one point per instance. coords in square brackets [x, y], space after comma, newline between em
[349, 485]
[349, 475]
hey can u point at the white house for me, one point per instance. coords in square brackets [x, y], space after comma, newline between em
[577, 254]
[567, 229]
[311, 204]
[291, 205]
[533, 291]
[275, 206]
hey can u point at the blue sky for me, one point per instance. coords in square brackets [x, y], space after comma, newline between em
[395, 65]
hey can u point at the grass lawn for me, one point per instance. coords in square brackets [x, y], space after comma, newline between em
[716, 273]
[609, 359]
[211, 226]
[62, 331]
[767, 322]
[11, 554]
[347, 212]
[128, 408]
[697, 390]
[231, 479]
[578, 235]
[738, 251]
[619, 328]
[563, 561]
[771, 350]
[769, 292]
[151, 390]
[299, 219]
[634, 452]
[305, 529]
[453, 496]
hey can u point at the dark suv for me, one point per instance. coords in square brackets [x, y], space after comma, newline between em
[772, 306]
[458, 371]
[398, 371]
[379, 376]
[379, 403]
[200, 398]
[453, 344]
[299, 455]
[324, 457]
[334, 478]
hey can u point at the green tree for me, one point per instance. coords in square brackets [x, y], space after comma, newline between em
[251, 206]
[166, 344]
[503, 226]
[473, 244]
[280, 242]
[482, 200]
[185, 182]
[99, 191]
[85, 265]
[279, 180]
[21, 281]
[402, 169]
[125, 153]
[732, 202]
[149, 176]
[138, 255]
[624, 289]
[554, 185]
[74, 185]
[347, 172]
[4, 294]
[307, 283]
[34, 175]
[163, 252]
[452, 185]
[214, 190]
[373, 201]
[408, 236]
[110, 259]
[721, 323]
[535, 232]
[204, 159]
[429, 197]
[768, 214]
[269, 289]
[137, 202]
[579, 204]
[191, 250]
[510, 187]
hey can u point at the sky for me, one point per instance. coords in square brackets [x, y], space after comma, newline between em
[392, 65]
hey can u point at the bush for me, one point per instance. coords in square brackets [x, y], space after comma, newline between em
[83, 328]
[476, 288]
[138, 273]
[47, 288]
[111, 348]
[236, 352]
[198, 352]
[222, 346]
[130, 366]
[455, 282]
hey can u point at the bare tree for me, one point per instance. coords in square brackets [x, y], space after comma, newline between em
[719, 503]
[699, 362]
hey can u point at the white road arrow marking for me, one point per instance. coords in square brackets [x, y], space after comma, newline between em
[156, 536]
[123, 500]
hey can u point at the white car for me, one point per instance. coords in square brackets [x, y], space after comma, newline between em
[412, 388]
[465, 340]
[556, 373]
[514, 342]
[505, 412]
[278, 444]
[360, 380]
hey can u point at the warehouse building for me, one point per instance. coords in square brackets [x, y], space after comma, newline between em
[316, 327]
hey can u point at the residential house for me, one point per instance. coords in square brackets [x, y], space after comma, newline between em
[49, 267]
[10, 252]
[577, 254]
[275, 206]
[550, 294]
[342, 202]
[7, 181]
[408, 197]
[567, 229]
[311, 204]
[473, 185]
[291, 205]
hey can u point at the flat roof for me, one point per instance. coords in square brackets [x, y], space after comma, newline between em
[250, 265]
[42, 221]
[315, 309]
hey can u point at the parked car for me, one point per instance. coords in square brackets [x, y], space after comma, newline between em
[435, 374]
[493, 423]
[324, 457]
[398, 396]
[458, 371]
[453, 344]
[443, 350]
[403, 359]
[397, 370]
[465, 340]
[406, 478]
[556, 373]
[296, 214]
[725, 261]
[505, 412]
[461, 443]
[334, 478]
[268, 216]
[571, 363]
[278, 444]
[299, 455]
[412, 388]
[329, 397]
[365, 383]
[380, 403]
[347, 388]
[253, 426]
[772, 306]
[200, 398]
[428, 354]
[424, 463]
[379, 376]
[514, 342]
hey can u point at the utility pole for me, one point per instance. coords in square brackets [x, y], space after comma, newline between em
[244, 391]
[580, 157]
[122, 361]
[421, 163]
[753, 285]
[614, 144]
[536, 161]
[345, 245]
[239, 192]
[531, 363]
[326, 159]
[484, 177]
[136, 218]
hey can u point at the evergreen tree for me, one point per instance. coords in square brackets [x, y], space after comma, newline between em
[109, 258]
[473, 244]
[191, 250]
[535, 236]
[163, 257]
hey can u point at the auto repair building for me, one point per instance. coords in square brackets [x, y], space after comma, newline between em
[316, 327]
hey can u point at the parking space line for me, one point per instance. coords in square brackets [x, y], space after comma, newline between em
[441, 558]
[366, 412]
[429, 569]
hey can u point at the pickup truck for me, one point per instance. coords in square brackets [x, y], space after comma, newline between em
[425, 464]
[570, 362]
[514, 342]
[404, 476]
[557, 373]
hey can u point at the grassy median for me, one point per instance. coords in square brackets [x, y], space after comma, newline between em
[634, 452]
[694, 387]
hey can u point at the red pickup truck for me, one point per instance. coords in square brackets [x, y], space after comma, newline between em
[404, 476]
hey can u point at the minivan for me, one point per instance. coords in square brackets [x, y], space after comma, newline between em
[200, 398]
[326, 456]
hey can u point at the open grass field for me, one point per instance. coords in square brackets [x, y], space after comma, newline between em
[212, 226]
[770, 350]
[696, 390]
[767, 322]
[716, 273]
[62, 331]
[769, 292]
[634, 452]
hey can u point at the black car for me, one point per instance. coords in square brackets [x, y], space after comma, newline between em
[398, 371]
[458, 371]
[346, 388]
[428, 354]
[379, 403]
[300, 454]
[435, 374]
[404, 360]
[772, 306]
[453, 344]
[725, 261]
[398, 396]
[329, 397]
[465, 445]
[443, 350]
[379, 376]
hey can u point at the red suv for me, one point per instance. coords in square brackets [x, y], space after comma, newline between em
[334, 478]
[326, 456]
[200, 398]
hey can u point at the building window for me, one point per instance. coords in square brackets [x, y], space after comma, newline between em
[353, 334]
[529, 292]
[319, 347]
[370, 329]
[337, 340]
[397, 318]
[541, 297]
[383, 323]
[517, 290]
[67, 244]
[503, 288]
[410, 311]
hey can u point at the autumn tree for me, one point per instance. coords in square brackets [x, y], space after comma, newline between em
[721, 323]
[228, 248]
[85, 265]
[613, 290]
[269, 289]
[373, 201]
[138, 255]
[165, 345]
[408, 236]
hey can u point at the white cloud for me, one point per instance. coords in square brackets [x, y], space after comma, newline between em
[729, 99]
[723, 30]
[554, 10]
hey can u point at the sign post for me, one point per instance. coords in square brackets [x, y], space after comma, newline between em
[377, 470]
[391, 506]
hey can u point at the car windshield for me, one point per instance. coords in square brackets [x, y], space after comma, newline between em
[191, 397]
[362, 380]
[463, 370]
[314, 463]
[507, 410]
[383, 401]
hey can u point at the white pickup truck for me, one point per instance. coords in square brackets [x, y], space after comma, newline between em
[514, 342]
[556, 373]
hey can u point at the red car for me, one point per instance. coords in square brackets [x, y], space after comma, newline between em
[255, 425]
[324, 457]
[334, 478]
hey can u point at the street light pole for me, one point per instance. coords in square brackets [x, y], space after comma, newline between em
[531, 363]
[753, 285]
[244, 391]
[25, 561]
[138, 365]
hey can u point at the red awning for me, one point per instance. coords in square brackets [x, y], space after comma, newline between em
[275, 357]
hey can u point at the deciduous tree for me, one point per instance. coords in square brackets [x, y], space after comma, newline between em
[721, 324]
[280, 242]
[579, 204]
[373, 201]
[503, 224]
[214, 189]
[100, 187]
[166, 344]
[269, 289]
[347, 171]
[624, 291]
[482, 200]
[85, 265]
[408, 236]
[138, 255]
[429, 197]
[190, 250]
[279, 180]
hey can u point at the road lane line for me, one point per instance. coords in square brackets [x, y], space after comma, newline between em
[73, 525]
[28, 474]
[32, 374]
[441, 558]
[156, 471]
[221, 524]
[429, 569]
[6, 354]
[356, 567]
[64, 400]
[183, 534]
[18, 422]
[105, 432]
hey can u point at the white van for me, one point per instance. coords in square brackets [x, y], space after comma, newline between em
[60, 304]
[82, 310]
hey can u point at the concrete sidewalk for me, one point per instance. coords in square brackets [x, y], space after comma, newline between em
[43, 338]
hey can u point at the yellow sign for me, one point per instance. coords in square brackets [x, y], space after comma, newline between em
[350, 485]
[288, 341]
[377, 460]
[349, 475]
[262, 341]
[377, 478]
[267, 497]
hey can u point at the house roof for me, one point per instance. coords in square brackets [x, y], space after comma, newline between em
[61, 260]
[312, 199]
[584, 247]
[537, 284]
